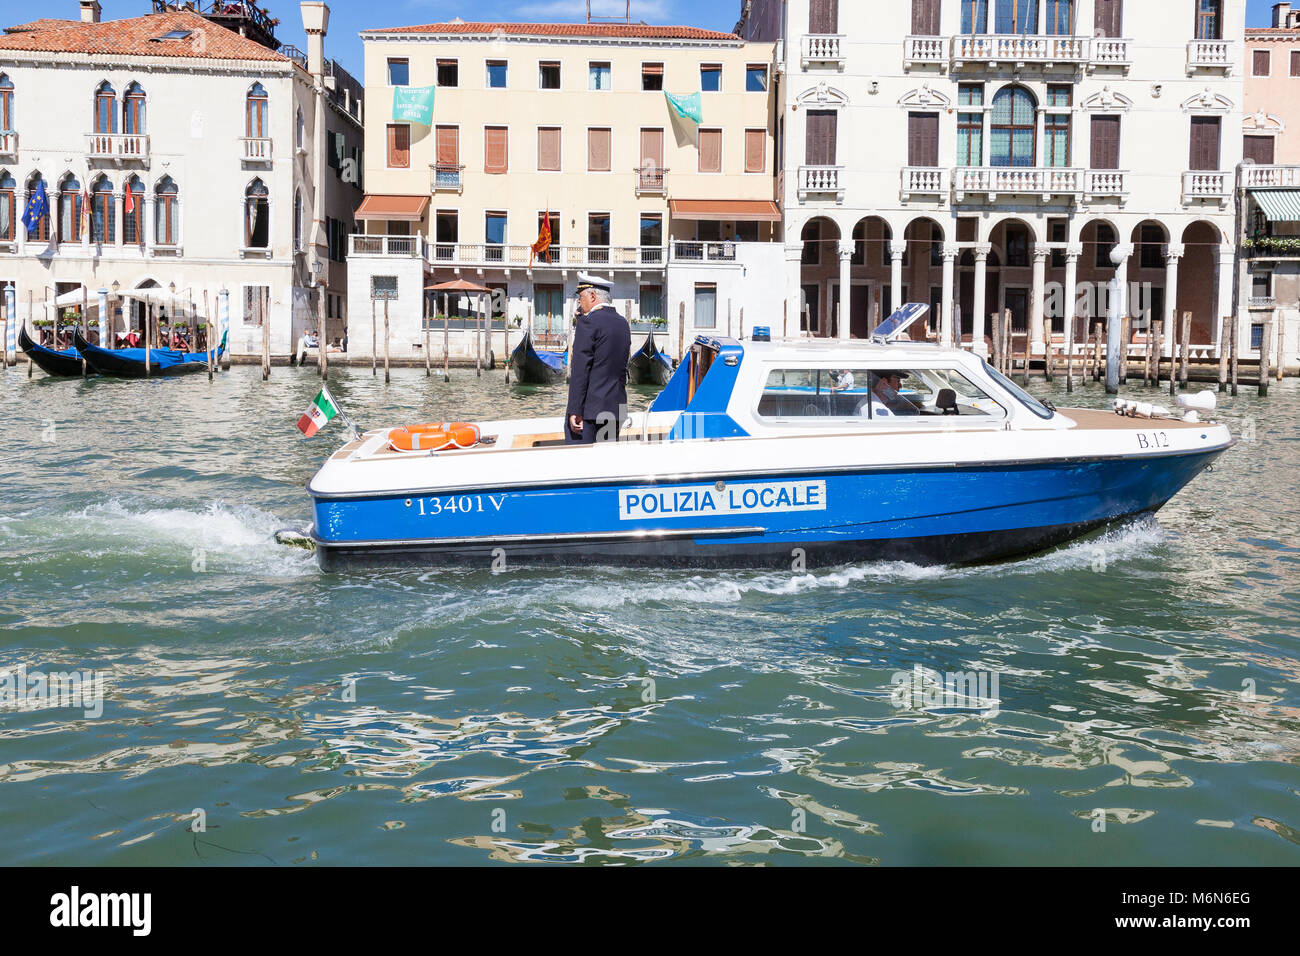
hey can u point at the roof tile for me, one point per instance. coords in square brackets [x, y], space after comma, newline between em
[138, 36]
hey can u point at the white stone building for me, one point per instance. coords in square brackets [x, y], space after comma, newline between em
[982, 155]
[221, 140]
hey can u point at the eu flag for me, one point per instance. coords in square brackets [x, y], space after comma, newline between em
[38, 207]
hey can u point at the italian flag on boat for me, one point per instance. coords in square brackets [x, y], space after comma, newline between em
[319, 414]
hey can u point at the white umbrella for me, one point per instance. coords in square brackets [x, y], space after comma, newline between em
[72, 298]
[161, 297]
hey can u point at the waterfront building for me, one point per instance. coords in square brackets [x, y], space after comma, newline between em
[241, 157]
[1271, 180]
[991, 155]
[567, 124]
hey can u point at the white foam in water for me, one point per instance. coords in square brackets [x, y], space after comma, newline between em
[231, 536]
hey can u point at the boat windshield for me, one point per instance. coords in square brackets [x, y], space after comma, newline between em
[888, 394]
[1025, 399]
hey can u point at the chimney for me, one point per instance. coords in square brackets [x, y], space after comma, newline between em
[316, 21]
[1281, 15]
[90, 11]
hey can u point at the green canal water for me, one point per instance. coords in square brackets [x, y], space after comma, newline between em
[1147, 679]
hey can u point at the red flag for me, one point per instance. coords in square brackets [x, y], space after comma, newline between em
[128, 204]
[543, 240]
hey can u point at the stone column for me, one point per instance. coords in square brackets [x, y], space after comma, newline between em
[896, 249]
[1227, 308]
[20, 231]
[1037, 330]
[149, 221]
[945, 317]
[981, 293]
[793, 288]
[1171, 316]
[1071, 291]
[846, 289]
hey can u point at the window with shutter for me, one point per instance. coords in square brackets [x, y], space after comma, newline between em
[710, 150]
[925, 18]
[1105, 142]
[823, 16]
[923, 139]
[652, 149]
[755, 150]
[1108, 20]
[652, 76]
[598, 150]
[1260, 149]
[1261, 62]
[820, 145]
[1295, 62]
[448, 146]
[1205, 142]
[399, 146]
[496, 143]
[548, 148]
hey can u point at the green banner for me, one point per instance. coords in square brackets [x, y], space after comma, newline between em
[413, 104]
[687, 106]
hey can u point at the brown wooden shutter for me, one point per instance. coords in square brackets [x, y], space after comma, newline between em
[1109, 18]
[1262, 61]
[923, 139]
[925, 18]
[448, 139]
[548, 147]
[1260, 149]
[824, 16]
[1205, 142]
[820, 145]
[1105, 142]
[496, 149]
[399, 147]
[652, 148]
[1295, 62]
[598, 150]
[755, 150]
[710, 150]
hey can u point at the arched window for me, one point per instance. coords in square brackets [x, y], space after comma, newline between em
[166, 212]
[42, 231]
[257, 216]
[297, 222]
[8, 206]
[133, 212]
[256, 126]
[1013, 127]
[1016, 17]
[6, 104]
[133, 110]
[69, 209]
[105, 109]
[103, 222]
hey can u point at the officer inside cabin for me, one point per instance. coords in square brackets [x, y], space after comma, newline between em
[602, 343]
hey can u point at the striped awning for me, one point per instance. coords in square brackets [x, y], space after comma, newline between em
[1278, 205]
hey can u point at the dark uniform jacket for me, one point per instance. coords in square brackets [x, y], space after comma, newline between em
[602, 345]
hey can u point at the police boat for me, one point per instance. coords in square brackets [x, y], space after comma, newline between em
[774, 454]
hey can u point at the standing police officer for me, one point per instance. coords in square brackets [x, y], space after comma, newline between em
[602, 344]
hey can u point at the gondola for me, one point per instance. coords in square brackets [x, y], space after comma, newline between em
[64, 364]
[649, 366]
[130, 363]
[536, 368]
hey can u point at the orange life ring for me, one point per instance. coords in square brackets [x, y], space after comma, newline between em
[434, 437]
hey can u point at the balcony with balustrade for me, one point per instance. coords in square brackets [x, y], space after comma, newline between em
[1200, 186]
[255, 150]
[1018, 182]
[1270, 177]
[117, 147]
[446, 177]
[821, 50]
[650, 180]
[1105, 184]
[377, 247]
[1210, 56]
[991, 50]
[925, 182]
[8, 145]
[821, 182]
[924, 51]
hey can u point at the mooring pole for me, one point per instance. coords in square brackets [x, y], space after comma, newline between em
[387, 378]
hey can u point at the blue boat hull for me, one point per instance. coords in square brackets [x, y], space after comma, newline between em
[935, 515]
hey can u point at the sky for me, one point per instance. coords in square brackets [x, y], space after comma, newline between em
[350, 17]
